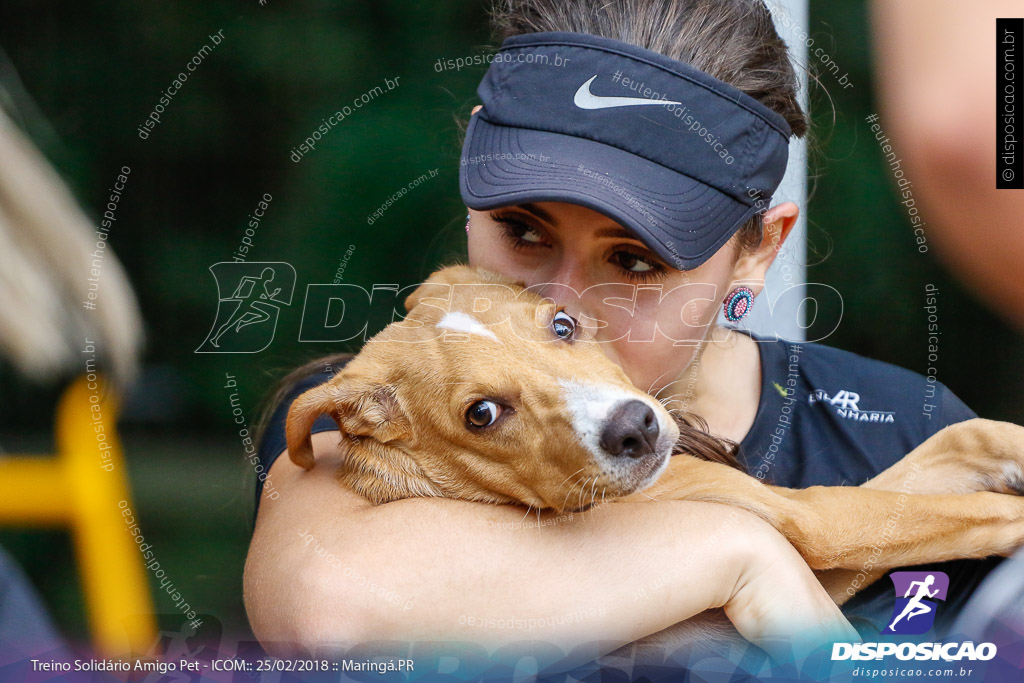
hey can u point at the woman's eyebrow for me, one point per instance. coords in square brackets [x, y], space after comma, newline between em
[616, 231]
[538, 212]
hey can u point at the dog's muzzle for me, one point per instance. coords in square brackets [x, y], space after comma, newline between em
[628, 437]
[631, 430]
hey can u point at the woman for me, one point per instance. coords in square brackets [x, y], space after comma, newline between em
[585, 174]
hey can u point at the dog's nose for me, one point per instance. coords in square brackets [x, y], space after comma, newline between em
[631, 430]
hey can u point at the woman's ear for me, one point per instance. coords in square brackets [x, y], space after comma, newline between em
[752, 265]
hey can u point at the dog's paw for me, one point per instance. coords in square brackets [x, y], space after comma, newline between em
[990, 454]
[993, 451]
[967, 457]
[1010, 480]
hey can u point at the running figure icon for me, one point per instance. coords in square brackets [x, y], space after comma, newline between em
[915, 607]
[247, 318]
[251, 307]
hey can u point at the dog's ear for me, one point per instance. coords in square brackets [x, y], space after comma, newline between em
[361, 408]
[439, 283]
[303, 412]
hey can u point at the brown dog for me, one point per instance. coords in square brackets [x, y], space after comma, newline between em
[487, 392]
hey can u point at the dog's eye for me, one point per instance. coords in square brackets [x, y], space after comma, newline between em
[482, 414]
[564, 325]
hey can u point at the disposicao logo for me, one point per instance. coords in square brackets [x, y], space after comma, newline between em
[916, 593]
[914, 614]
[249, 301]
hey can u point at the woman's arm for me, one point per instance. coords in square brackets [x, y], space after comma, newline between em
[325, 566]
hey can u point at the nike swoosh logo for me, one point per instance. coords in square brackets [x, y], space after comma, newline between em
[584, 99]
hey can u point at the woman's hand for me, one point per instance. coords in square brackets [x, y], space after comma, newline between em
[779, 604]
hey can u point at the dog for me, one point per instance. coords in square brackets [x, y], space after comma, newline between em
[488, 392]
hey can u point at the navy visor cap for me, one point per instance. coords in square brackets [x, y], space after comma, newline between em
[678, 157]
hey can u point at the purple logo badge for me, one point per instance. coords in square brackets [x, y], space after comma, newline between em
[916, 593]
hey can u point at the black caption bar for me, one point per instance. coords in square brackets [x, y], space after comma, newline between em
[1009, 114]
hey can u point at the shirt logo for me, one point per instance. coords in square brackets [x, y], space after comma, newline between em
[584, 99]
[914, 613]
[847, 405]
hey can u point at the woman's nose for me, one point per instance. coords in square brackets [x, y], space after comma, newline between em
[564, 287]
[567, 283]
[565, 277]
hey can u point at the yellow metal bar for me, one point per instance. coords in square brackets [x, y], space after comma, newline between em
[118, 601]
[86, 488]
[33, 492]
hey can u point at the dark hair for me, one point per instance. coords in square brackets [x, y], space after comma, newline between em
[733, 40]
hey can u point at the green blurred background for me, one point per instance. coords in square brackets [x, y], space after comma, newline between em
[82, 77]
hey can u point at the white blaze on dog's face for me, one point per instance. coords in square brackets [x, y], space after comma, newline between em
[488, 392]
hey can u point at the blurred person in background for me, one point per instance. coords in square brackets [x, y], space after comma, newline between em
[934, 64]
[46, 260]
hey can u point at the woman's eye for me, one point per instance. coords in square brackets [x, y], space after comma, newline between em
[564, 325]
[633, 263]
[518, 233]
[529, 234]
[482, 414]
[524, 232]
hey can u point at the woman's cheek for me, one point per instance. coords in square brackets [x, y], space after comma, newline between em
[479, 253]
[653, 365]
[698, 316]
[678, 322]
[694, 314]
[490, 253]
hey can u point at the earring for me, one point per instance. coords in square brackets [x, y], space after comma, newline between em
[467, 223]
[738, 304]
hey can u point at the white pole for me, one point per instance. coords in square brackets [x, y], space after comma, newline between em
[776, 310]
